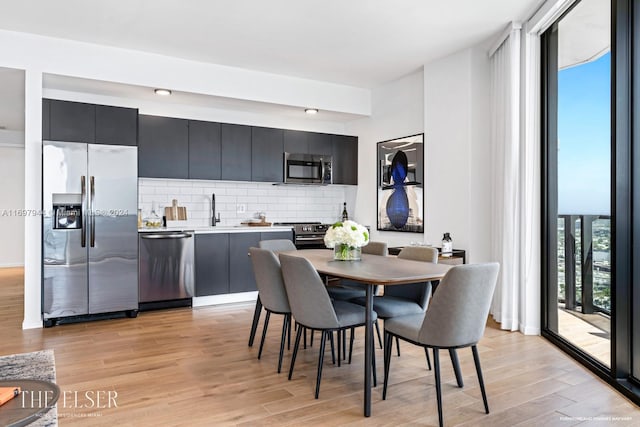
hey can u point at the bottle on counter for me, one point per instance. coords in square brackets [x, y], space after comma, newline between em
[447, 245]
[345, 214]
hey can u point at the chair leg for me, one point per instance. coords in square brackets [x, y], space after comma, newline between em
[289, 333]
[296, 345]
[351, 338]
[264, 333]
[339, 332]
[456, 366]
[254, 323]
[305, 338]
[476, 360]
[311, 339]
[323, 339]
[388, 340]
[426, 353]
[436, 363]
[333, 349]
[344, 344]
[378, 332]
[398, 345]
[286, 325]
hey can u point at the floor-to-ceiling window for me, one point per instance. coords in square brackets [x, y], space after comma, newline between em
[588, 192]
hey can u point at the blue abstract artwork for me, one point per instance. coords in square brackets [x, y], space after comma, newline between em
[400, 189]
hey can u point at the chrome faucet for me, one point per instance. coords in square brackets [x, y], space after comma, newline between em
[214, 220]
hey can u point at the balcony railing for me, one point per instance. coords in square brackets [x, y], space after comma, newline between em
[584, 262]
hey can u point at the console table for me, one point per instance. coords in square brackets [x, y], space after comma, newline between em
[458, 256]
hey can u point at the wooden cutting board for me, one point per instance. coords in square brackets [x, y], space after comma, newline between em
[181, 213]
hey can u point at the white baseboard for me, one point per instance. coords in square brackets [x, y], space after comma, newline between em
[31, 325]
[224, 299]
[11, 265]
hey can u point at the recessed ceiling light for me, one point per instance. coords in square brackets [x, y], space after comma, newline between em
[162, 92]
[311, 110]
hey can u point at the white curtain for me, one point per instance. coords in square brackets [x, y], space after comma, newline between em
[507, 227]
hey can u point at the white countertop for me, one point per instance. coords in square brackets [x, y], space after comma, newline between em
[204, 229]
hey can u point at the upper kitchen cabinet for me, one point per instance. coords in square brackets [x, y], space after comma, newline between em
[296, 141]
[320, 143]
[205, 151]
[72, 121]
[98, 124]
[236, 152]
[345, 159]
[116, 125]
[163, 147]
[266, 154]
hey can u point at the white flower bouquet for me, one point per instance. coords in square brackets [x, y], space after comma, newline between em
[346, 238]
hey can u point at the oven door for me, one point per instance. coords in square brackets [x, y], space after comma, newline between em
[310, 241]
[303, 169]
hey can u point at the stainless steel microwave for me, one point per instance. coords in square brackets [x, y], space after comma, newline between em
[307, 169]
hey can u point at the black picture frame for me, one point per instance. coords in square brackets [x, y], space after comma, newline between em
[400, 205]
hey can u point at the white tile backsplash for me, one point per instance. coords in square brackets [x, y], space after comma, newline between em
[281, 203]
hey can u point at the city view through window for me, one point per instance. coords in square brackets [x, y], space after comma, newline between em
[584, 179]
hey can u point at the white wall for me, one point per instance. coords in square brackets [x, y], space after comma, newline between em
[397, 111]
[448, 100]
[12, 198]
[457, 150]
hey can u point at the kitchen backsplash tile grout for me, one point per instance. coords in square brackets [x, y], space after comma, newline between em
[280, 203]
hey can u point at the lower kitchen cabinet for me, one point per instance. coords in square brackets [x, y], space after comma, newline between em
[222, 261]
[241, 277]
[212, 264]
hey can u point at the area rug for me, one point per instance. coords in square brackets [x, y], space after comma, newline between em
[39, 365]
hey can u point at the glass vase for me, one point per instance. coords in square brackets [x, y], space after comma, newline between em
[347, 253]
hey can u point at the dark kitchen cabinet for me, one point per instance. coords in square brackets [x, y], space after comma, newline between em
[98, 124]
[236, 152]
[204, 150]
[46, 122]
[72, 121]
[345, 159]
[116, 125]
[276, 235]
[212, 264]
[320, 143]
[295, 141]
[223, 264]
[266, 154]
[241, 277]
[163, 147]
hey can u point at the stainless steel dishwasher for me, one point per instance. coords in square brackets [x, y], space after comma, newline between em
[166, 267]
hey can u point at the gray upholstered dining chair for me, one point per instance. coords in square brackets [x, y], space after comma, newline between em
[456, 318]
[400, 300]
[346, 290]
[266, 268]
[275, 245]
[313, 309]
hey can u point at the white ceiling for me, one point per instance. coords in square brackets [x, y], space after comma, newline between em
[361, 43]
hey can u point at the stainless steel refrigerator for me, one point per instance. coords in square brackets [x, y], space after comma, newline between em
[90, 238]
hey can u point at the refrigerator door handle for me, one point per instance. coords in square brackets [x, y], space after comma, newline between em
[92, 189]
[83, 186]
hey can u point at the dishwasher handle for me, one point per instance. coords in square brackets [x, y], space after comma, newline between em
[167, 236]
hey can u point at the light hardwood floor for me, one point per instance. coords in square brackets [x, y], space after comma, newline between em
[193, 368]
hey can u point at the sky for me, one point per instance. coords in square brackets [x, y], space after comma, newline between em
[584, 138]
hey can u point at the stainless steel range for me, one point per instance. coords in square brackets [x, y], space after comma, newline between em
[307, 235]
